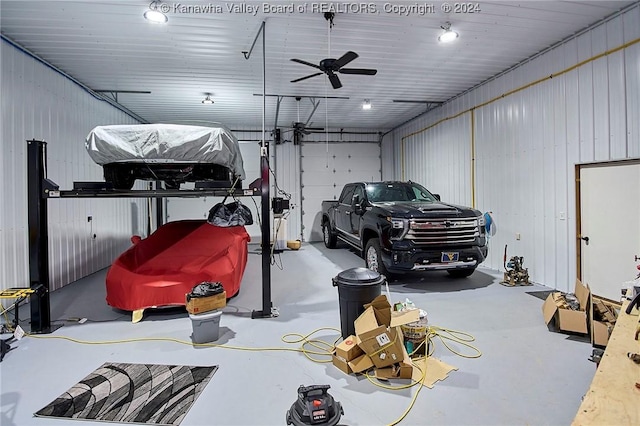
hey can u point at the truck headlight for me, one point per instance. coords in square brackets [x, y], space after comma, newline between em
[481, 224]
[399, 228]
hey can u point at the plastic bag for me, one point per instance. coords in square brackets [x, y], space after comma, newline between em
[205, 289]
[231, 214]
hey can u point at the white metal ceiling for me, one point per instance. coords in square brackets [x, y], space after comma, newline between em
[108, 45]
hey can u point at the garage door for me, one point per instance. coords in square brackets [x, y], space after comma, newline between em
[326, 168]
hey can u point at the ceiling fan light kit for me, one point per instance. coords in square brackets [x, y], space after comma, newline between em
[448, 35]
[207, 100]
[366, 105]
[155, 13]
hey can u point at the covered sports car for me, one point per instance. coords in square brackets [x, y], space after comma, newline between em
[161, 269]
[169, 152]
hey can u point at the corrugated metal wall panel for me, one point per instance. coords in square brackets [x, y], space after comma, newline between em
[39, 103]
[528, 143]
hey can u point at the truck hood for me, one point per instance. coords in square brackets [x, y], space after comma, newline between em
[438, 209]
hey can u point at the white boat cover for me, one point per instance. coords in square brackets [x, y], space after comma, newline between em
[164, 143]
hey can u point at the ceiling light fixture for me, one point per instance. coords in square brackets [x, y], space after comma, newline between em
[448, 35]
[156, 12]
[366, 104]
[207, 100]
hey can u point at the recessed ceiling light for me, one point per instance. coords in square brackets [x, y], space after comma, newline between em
[156, 11]
[448, 35]
[366, 104]
[207, 100]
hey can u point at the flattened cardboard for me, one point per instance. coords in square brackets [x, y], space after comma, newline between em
[341, 364]
[361, 364]
[348, 349]
[567, 319]
[435, 370]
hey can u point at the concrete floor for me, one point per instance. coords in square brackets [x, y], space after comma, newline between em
[526, 375]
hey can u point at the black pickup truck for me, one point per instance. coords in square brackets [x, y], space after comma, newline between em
[401, 227]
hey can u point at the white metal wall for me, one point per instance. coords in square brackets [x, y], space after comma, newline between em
[39, 103]
[527, 143]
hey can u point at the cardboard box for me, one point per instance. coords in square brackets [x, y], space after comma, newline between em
[348, 349]
[198, 305]
[378, 332]
[603, 316]
[402, 370]
[341, 364]
[360, 364]
[567, 319]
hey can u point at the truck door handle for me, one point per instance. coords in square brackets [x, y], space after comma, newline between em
[586, 239]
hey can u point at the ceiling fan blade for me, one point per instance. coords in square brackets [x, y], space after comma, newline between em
[335, 81]
[304, 78]
[345, 59]
[363, 71]
[300, 61]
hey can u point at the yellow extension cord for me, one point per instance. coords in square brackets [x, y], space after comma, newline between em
[319, 348]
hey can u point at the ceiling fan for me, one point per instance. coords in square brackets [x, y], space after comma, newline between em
[331, 66]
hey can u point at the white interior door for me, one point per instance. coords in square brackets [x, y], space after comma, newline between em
[610, 219]
[326, 168]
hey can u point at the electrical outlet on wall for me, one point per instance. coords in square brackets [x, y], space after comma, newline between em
[561, 215]
[517, 236]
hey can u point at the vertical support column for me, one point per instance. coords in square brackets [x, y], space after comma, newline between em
[38, 237]
[159, 202]
[266, 238]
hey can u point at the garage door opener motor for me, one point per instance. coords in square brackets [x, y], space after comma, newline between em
[314, 406]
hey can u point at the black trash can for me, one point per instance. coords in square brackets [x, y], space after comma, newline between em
[356, 287]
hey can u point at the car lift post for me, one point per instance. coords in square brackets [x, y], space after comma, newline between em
[37, 185]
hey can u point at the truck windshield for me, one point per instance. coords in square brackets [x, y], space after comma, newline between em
[382, 192]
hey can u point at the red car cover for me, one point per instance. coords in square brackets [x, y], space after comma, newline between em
[161, 269]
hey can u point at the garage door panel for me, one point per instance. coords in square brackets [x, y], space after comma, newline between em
[347, 162]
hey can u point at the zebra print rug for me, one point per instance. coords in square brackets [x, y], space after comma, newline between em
[132, 393]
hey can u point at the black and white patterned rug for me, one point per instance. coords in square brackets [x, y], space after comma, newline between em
[132, 393]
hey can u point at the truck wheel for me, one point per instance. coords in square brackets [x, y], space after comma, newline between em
[330, 239]
[461, 273]
[120, 178]
[373, 257]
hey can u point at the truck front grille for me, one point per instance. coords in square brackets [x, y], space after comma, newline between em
[442, 231]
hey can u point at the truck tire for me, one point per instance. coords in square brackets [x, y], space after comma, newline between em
[373, 257]
[119, 177]
[461, 273]
[330, 239]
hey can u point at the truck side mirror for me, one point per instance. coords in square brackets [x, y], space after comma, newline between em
[356, 204]
[436, 196]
